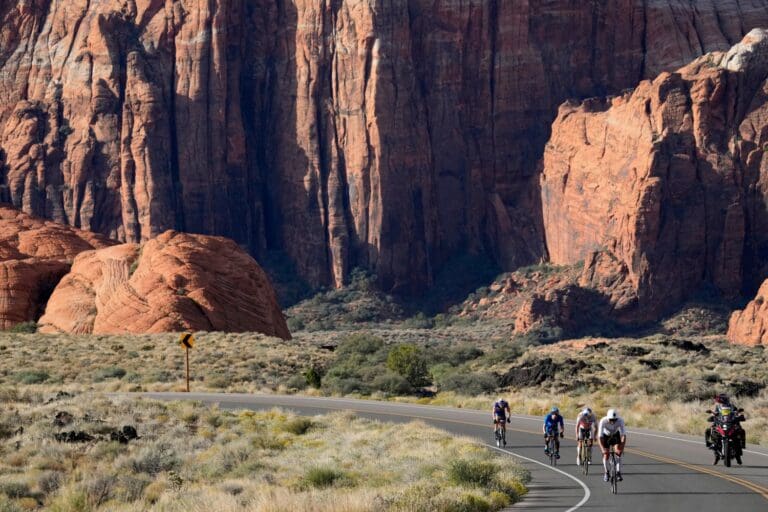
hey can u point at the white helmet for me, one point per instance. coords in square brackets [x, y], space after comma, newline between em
[587, 411]
[500, 400]
[613, 414]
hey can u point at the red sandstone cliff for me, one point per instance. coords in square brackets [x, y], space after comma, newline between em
[663, 189]
[387, 134]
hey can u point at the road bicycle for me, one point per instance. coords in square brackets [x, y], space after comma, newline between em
[500, 434]
[552, 448]
[613, 477]
[585, 457]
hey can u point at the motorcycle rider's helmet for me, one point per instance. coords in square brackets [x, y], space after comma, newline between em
[613, 414]
[722, 398]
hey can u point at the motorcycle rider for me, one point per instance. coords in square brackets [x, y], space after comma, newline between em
[723, 401]
[586, 431]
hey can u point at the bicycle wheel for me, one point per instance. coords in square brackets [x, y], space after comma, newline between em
[584, 458]
[614, 477]
[552, 457]
[504, 436]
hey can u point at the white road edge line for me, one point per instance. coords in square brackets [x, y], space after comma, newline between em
[587, 493]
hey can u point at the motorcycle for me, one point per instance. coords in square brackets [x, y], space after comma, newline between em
[726, 442]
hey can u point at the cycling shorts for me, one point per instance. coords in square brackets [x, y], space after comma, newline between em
[611, 440]
[499, 418]
[554, 432]
[585, 433]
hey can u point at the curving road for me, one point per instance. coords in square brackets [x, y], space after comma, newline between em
[663, 472]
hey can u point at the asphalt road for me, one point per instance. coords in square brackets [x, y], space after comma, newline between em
[662, 471]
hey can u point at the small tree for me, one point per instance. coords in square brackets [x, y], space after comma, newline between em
[408, 361]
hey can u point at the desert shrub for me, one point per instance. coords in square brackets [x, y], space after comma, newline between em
[472, 472]
[31, 377]
[470, 383]
[298, 382]
[361, 344]
[24, 328]
[15, 489]
[49, 481]
[392, 384]
[154, 459]
[322, 477]
[313, 378]
[408, 360]
[110, 372]
[6, 505]
[218, 379]
[470, 503]
[297, 426]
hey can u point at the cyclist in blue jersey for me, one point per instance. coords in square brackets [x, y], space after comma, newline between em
[554, 426]
[501, 415]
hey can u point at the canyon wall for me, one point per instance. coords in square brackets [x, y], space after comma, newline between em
[388, 134]
[662, 190]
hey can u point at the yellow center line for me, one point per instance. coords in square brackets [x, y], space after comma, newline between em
[759, 489]
[762, 491]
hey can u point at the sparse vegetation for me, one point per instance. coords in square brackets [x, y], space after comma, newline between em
[243, 460]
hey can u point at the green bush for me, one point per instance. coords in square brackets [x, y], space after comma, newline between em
[25, 328]
[31, 377]
[321, 478]
[110, 372]
[313, 378]
[392, 384]
[473, 383]
[472, 472]
[361, 343]
[408, 360]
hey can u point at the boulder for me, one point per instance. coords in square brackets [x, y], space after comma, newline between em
[34, 255]
[174, 282]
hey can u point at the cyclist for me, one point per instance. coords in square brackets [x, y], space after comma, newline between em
[612, 433]
[553, 424]
[501, 415]
[723, 401]
[586, 430]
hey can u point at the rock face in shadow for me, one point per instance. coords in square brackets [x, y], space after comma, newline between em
[385, 134]
[663, 189]
[34, 255]
[174, 282]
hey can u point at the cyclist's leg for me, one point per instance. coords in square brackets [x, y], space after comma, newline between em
[619, 451]
[604, 448]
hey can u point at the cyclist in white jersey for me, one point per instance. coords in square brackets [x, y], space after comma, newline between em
[586, 431]
[611, 432]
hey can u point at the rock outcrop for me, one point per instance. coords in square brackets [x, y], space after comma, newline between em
[34, 255]
[662, 190]
[750, 325]
[174, 282]
[384, 134]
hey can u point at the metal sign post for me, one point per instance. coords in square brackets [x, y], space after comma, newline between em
[187, 341]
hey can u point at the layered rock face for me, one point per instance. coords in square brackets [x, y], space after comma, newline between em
[174, 282]
[663, 189]
[750, 325]
[388, 134]
[34, 255]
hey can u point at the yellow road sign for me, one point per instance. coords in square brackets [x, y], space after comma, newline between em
[186, 340]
